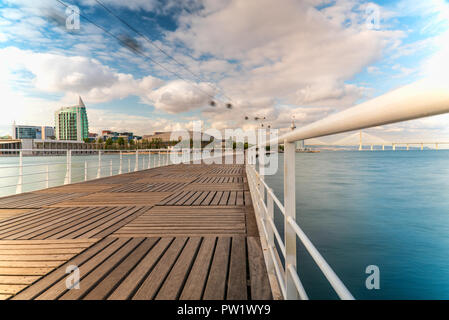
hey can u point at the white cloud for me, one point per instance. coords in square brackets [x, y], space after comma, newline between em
[181, 96]
[285, 50]
[55, 73]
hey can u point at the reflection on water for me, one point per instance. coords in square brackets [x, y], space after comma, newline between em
[389, 209]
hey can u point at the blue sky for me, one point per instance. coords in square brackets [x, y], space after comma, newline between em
[305, 59]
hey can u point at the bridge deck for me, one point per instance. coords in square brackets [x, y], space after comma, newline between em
[178, 232]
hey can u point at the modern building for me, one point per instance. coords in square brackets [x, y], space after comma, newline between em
[32, 132]
[71, 122]
[127, 136]
[174, 136]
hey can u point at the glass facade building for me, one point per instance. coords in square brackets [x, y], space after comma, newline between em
[71, 122]
[32, 132]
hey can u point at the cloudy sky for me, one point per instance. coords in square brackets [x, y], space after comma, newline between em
[273, 59]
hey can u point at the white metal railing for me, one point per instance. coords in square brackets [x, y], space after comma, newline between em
[418, 100]
[62, 172]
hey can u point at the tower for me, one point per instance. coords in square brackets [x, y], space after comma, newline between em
[71, 123]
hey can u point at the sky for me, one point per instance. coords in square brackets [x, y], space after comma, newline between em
[305, 59]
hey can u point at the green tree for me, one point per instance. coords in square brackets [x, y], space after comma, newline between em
[121, 141]
[100, 140]
[109, 142]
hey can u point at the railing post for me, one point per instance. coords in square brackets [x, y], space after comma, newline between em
[99, 165]
[70, 166]
[68, 176]
[85, 170]
[129, 165]
[47, 177]
[159, 158]
[121, 163]
[136, 167]
[110, 168]
[20, 182]
[270, 239]
[290, 211]
[149, 159]
[262, 177]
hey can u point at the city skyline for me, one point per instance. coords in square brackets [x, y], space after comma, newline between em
[264, 73]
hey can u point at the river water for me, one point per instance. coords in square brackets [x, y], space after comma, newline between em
[389, 209]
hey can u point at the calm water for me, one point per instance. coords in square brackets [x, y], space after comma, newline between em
[34, 176]
[389, 209]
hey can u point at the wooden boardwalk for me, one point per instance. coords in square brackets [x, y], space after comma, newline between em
[179, 232]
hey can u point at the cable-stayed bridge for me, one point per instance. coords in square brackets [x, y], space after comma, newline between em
[369, 141]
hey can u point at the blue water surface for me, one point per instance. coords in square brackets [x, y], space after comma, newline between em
[383, 208]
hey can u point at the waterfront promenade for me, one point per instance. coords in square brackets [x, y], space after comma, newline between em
[184, 231]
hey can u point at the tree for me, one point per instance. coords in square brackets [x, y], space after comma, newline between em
[100, 140]
[109, 142]
[121, 141]
[86, 140]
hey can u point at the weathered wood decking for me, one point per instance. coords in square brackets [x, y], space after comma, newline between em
[178, 232]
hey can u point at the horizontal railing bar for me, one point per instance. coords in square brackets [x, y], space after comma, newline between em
[298, 284]
[330, 275]
[278, 271]
[276, 200]
[277, 235]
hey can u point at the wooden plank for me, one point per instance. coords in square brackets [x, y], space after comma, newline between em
[114, 227]
[8, 213]
[36, 264]
[24, 271]
[54, 243]
[59, 287]
[18, 279]
[52, 217]
[101, 270]
[119, 199]
[55, 231]
[193, 198]
[216, 199]
[172, 286]
[237, 288]
[29, 221]
[46, 282]
[200, 198]
[216, 282]
[152, 283]
[44, 257]
[209, 198]
[194, 286]
[260, 285]
[239, 200]
[85, 226]
[232, 198]
[104, 288]
[138, 274]
[224, 198]
[6, 289]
